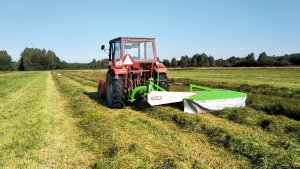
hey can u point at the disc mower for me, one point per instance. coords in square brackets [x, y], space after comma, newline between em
[134, 72]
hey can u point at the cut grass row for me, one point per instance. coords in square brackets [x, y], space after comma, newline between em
[268, 103]
[263, 149]
[125, 137]
[275, 106]
[262, 97]
[282, 126]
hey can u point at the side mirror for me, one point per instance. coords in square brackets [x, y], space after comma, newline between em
[102, 47]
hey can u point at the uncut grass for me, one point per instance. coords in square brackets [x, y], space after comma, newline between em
[262, 89]
[128, 138]
[255, 141]
[278, 77]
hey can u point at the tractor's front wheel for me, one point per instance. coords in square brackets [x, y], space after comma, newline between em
[115, 91]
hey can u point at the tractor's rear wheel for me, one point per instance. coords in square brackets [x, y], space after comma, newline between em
[164, 79]
[115, 91]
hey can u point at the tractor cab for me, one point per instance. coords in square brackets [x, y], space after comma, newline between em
[140, 49]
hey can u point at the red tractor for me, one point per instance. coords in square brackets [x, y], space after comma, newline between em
[132, 62]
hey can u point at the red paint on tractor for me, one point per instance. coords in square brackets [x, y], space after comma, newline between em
[102, 87]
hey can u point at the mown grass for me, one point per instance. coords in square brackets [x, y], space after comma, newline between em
[268, 102]
[22, 125]
[11, 82]
[126, 137]
[263, 149]
[35, 131]
[39, 128]
[275, 105]
[282, 126]
[252, 141]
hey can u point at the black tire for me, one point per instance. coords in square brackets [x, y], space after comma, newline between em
[115, 91]
[164, 84]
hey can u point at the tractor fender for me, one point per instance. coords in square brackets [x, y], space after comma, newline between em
[118, 72]
[160, 69]
[102, 87]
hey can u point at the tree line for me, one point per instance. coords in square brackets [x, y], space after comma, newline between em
[202, 60]
[40, 59]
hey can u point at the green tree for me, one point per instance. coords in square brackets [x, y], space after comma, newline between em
[5, 60]
[194, 61]
[232, 60]
[53, 61]
[63, 65]
[202, 60]
[93, 64]
[37, 59]
[220, 62]
[173, 62]
[211, 61]
[250, 57]
[166, 62]
[185, 61]
[295, 59]
[265, 60]
[262, 57]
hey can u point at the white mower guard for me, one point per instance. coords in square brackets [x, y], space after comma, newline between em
[194, 106]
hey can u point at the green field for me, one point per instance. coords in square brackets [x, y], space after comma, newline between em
[52, 121]
[280, 77]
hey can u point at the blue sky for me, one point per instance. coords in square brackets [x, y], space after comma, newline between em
[75, 30]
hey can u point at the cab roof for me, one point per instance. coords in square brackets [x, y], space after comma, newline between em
[131, 39]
